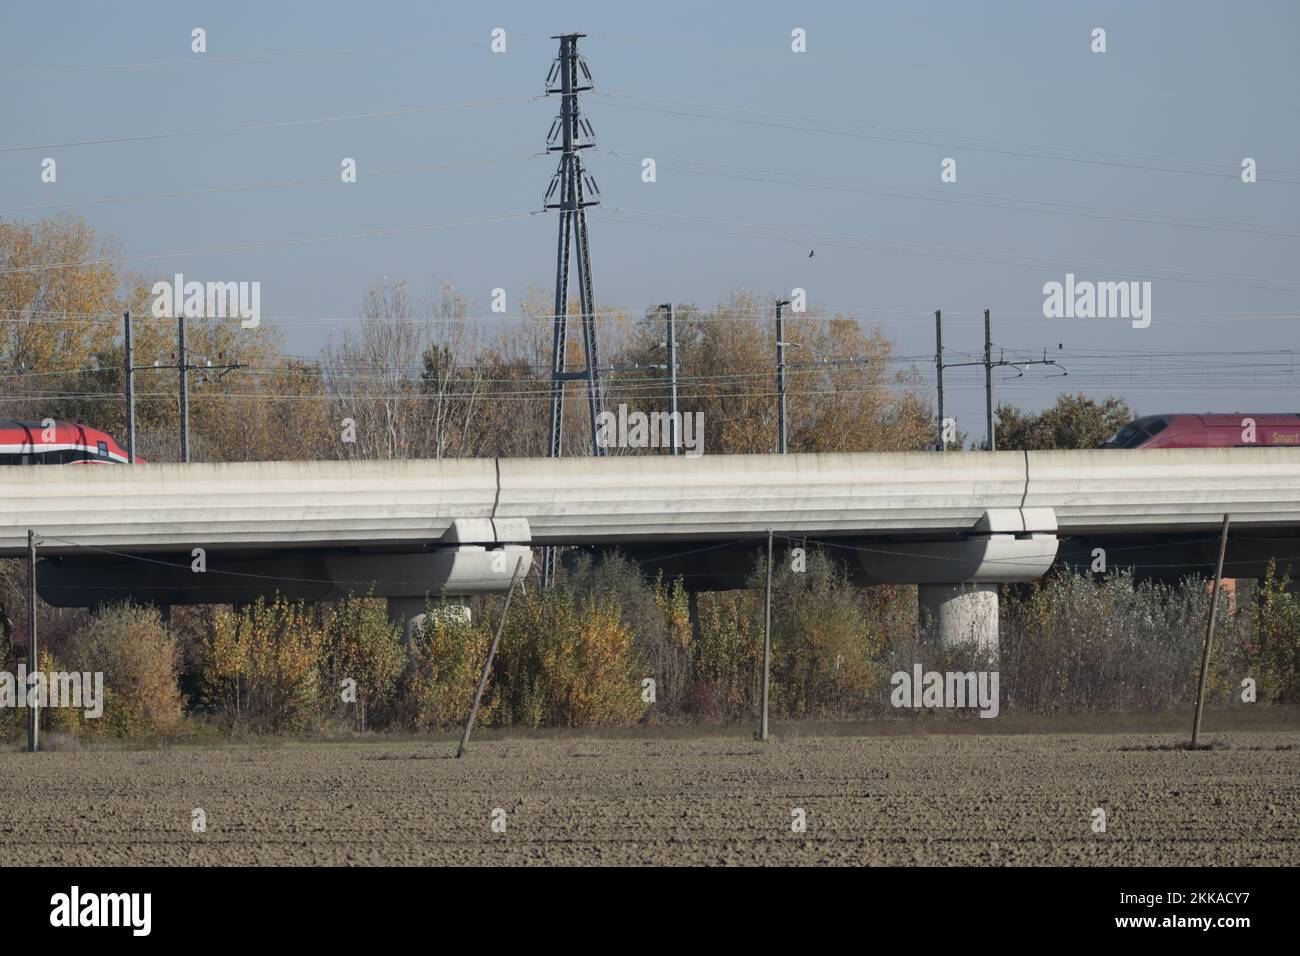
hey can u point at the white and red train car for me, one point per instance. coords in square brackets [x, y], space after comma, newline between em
[54, 442]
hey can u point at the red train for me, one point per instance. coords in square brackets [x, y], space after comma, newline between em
[1209, 431]
[67, 443]
[61, 443]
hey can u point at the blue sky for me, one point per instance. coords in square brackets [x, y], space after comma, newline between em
[1011, 91]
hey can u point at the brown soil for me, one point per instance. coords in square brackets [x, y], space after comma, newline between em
[724, 799]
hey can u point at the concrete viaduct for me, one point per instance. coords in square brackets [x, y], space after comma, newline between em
[956, 524]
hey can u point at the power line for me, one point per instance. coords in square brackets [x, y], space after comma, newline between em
[334, 178]
[281, 124]
[921, 390]
[904, 552]
[969, 255]
[1070, 154]
[266, 244]
[971, 199]
[248, 575]
[207, 59]
[1081, 369]
[988, 363]
[690, 313]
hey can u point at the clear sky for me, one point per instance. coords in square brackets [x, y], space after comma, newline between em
[1122, 165]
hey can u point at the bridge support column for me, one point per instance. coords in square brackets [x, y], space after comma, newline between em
[962, 614]
[409, 612]
[957, 581]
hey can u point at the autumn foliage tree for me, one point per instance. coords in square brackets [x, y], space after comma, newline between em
[444, 660]
[261, 666]
[361, 658]
[140, 660]
[567, 660]
[62, 354]
[845, 391]
[57, 288]
[1075, 421]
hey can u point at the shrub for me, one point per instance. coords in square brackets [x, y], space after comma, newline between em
[140, 661]
[823, 651]
[1272, 658]
[567, 661]
[443, 664]
[13, 721]
[728, 671]
[656, 613]
[359, 643]
[261, 666]
[1069, 643]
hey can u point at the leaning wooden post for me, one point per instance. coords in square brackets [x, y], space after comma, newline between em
[487, 664]
[1209, 632]
[767, 639]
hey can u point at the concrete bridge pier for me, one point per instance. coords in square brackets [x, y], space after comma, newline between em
[961, 614]
[957, 580]
[409, 612]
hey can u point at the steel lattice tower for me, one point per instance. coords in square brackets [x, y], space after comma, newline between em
[571, 191]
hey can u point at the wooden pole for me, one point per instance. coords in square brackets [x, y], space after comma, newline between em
[184, 364]
[988, 382]
[1209, 632]
[487, 664]
[767, 640]
[938, 365]
[33, 651]
[129, 352]
[781, 430]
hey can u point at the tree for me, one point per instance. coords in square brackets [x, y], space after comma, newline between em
[140, 660]
[1075, 421]
[360, 644]
[58, 295]
[61, 356]
[842, 393]
[372, 377]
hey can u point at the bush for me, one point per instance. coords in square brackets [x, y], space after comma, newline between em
[576, 654]
[826, 649]
[261, 666]
[13, 721]
[140, 661]
[360, 644]
[443, 664]
[823, 651]
[1269, 653]
[656, 613]
[1069, 643]
[728, 671]
[567, 661]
